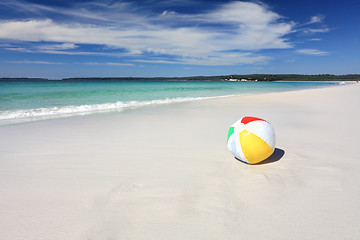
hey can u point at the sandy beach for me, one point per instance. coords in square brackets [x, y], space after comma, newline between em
[165, 172]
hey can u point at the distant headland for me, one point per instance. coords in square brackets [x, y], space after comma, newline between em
[230, 78]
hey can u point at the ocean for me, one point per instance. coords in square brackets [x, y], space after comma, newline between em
[30, 101]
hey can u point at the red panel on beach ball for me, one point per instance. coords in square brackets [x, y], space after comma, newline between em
[246, 120]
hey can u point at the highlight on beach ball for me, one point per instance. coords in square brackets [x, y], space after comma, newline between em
[251, 139]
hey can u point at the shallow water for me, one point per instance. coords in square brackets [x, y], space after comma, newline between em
[23, 101]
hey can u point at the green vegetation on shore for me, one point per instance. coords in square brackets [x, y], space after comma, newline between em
[251, 77]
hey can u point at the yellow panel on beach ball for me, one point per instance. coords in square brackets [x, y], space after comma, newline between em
[251, 139]
[253, 147]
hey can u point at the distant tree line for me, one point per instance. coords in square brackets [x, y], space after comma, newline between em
[248, 77]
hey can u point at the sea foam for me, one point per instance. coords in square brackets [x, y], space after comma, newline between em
[65, 111]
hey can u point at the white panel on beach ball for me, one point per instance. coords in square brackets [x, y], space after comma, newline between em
[251, 139]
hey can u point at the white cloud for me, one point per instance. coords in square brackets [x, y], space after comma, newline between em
[109, 63]
[158, 61]
[55, 47]
[167, 12]
[317, 30]
[221, 59]
[225, 36]
[319, 27]
[316, 19]
[247, 13]
[312, 52]
[314, 26]
[45, 49]
[34, 62]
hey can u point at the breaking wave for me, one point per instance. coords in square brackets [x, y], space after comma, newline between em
[55, 112]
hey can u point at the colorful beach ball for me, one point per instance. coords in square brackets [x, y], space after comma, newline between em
[251, 139]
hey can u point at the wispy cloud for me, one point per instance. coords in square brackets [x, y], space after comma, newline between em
[314, 25]
[230, 34]
[215, 60]
[109, 64]
[56, 47]
[312, 52]
[316, 30]
[167, 12]
[33, 62]
[316, 19]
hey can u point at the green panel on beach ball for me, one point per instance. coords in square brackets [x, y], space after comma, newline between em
[231, 131]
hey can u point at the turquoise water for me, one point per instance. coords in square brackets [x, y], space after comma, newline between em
[38, 100]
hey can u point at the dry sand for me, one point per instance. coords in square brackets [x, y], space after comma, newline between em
[165, 173]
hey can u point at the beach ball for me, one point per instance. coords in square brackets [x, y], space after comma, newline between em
[251, 139]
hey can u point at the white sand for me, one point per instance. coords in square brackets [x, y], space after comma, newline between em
[165, 173]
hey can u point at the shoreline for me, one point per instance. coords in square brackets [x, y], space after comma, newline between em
[165, 172]
[47, 113]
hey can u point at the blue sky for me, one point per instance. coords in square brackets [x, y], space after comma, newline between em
[147, 38]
